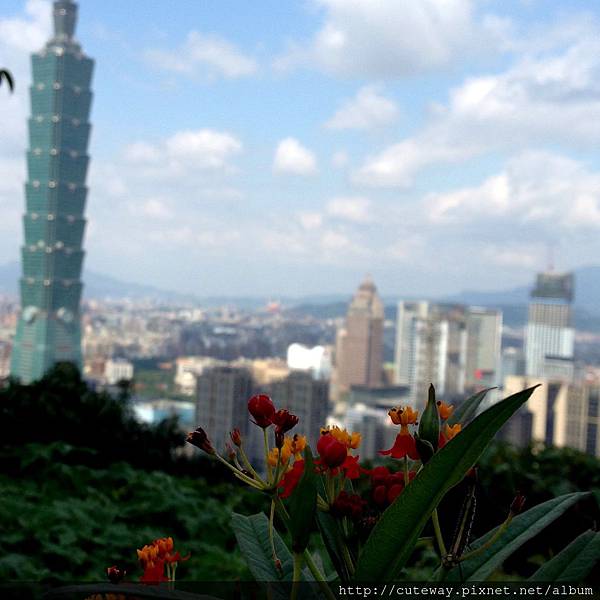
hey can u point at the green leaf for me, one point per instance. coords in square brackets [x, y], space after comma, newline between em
[521, 529]
[394, 537]
[468, 409]
[331, 536]
[573, 563]
[303, 504]
[252, 534]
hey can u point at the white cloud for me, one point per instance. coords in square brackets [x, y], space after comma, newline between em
[547, 191]
[339, 159]
[202, 149]
[310, 220]
[542, 99]
[292, 157]
[156, 208]
[369, 109]
[355, 209]
[390, 38]
[206, 55]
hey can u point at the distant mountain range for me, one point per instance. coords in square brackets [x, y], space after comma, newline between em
[99, 286]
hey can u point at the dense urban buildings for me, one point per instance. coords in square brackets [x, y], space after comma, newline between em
[359, 344]
[57, 161]
[457, 348]
[550, 336]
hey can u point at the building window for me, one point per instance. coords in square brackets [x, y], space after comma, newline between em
[590, 442]
[593, 403]
[56, 85]
[55, 118]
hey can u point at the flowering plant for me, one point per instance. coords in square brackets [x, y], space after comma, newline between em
[370, 521]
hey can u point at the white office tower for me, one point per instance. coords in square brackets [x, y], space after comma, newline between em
[455, 348]
[550, 337]
[484, 342]
[316, 360]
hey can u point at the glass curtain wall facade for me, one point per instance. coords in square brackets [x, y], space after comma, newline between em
[49, 328]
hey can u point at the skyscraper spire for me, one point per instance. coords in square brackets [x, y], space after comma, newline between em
[65, 19]
[57, 162]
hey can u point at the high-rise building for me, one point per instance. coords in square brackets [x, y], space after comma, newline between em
[49, 327]
[550, 337]
[222, 393]
[454, 347]
[305, 397]
[359, 344]
[484, 341]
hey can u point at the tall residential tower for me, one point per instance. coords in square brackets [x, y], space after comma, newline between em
[57, 161]
[550, 336]
[359, 345]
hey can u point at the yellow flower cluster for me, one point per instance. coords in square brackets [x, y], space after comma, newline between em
[350, 440]
[292, 446]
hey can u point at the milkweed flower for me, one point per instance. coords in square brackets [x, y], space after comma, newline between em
[261, 407]
[445, 410]
[199, 438]
[405, 444]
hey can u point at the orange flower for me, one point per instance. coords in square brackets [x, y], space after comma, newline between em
[350, 440]
[403, 416]
[445, 410]
[451, 431]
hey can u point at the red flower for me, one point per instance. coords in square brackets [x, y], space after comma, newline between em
[284, 420]
[261, 407]
[115, 575]
[394, 491]
[154, 572]
[199, 439]
[351, 467]
[379, 475]
[380, 495]
[332, 454]
[291, 478]
[348, 505]
[403, 446]
[236, 437]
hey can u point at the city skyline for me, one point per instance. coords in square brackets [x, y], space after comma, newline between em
[285, 149]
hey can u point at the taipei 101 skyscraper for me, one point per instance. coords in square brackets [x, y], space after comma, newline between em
[49, 328]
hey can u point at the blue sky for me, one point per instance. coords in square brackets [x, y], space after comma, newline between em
[273, 148]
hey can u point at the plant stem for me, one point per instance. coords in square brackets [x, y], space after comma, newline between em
[239, 474]
[272, 537]
[249, 466]
[266, 440]
[487, 544]
[298, 559]
[347, 558]
[438, 533]
[310, 563]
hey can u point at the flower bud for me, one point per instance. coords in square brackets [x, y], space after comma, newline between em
[429, 426]
[236, 437]
[331, 452]
[262, 409]
[424, 449]
[517, 504]
[115, 575]
[199, 439]
[284, 421]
